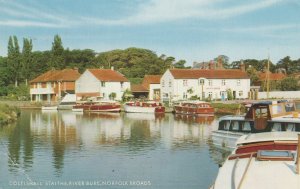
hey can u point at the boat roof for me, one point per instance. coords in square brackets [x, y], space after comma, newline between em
[268, 136]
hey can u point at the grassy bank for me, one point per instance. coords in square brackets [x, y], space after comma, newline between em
[221, 108]
[8, 114]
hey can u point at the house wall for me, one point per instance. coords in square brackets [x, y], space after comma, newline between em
[216, 89]
[114, 87]
[166, 90]
[89, 84]
[153, 87]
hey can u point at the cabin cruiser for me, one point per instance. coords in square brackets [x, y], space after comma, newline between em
[97, 106]
[144, 107]
[261, 117]
[194, 108]
[262, 160]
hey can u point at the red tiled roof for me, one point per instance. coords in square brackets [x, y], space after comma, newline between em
[108, 75]
[272, 76]
[210, 74]
[57, 75]
[152, 79]
[139, 88]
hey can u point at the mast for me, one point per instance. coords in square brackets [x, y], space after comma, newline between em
[268, 77]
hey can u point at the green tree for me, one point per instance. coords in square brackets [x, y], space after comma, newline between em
[229, 94]
[253, 74]
[180, 64]
[57, 59]
[26, 62]
[289, 84]
[13, 59]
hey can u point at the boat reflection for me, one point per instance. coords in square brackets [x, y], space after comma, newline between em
[195, 119]
[64, 132]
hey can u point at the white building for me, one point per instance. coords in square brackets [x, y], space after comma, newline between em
[150, 88]
[180, 84]
[101, 83]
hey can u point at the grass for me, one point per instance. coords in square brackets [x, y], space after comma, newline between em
[228, 108]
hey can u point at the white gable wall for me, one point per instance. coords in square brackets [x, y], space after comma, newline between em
[87, 83]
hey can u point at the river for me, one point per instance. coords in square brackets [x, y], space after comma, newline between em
[72, 150]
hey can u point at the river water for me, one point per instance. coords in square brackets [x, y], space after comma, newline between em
[72, 150]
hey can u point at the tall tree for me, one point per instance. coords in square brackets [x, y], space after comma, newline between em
[13, 59]
[27, 59]
[57, 51]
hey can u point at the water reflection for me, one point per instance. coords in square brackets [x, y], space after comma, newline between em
[63, 137]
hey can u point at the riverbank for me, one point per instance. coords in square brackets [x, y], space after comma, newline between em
[228, 108]
[220, 107]
[8, 114]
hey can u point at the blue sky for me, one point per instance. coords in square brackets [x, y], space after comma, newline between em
[194, 30]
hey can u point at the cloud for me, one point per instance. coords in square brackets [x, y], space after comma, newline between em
[158, 11]
[150, 12]
[18, 15]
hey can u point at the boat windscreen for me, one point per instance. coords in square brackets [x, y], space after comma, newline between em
[274, 155]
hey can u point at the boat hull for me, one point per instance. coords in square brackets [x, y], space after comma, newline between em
[138, 109]
[49, 108]
[97, 108]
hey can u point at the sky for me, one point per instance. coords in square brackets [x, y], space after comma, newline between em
[193, 30]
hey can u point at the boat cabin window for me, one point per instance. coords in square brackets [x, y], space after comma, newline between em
[246, 127]
[297, 105]
[275, 155]
[289, 107]
[276, 127]
[235, 126]
[290, 127]
[227, 125]
[261, 112]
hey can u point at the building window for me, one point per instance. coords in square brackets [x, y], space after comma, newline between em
[210, 82]
[185, 82]
[122, 84]
[163, 83]
[102, 83]
[103, 95]
[238, 82]
[170, 83]
[223, 82]
[165, 95]
[240, 93]
[210, 95]
[184, 95]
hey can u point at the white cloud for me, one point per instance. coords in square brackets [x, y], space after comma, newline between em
[19, 15]
[157, 11]
[153, 11]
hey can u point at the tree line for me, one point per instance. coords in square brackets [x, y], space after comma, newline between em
[22, 65]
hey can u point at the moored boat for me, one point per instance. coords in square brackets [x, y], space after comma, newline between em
[262, 160]
[49, 108]
[261, 117]
[194, 108]
[97, 106]
[144, 107]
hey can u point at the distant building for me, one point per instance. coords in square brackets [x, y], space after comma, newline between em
[211, 65]
[181, 84]
[150, 88]
[53, 85]
[272, 77]
[101, 83]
